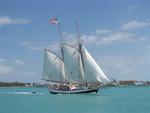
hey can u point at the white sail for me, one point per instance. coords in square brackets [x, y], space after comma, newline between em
[93, 72]
[53, 67]
[72, 62]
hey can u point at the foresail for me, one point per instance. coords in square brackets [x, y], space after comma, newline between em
[93, 73]
[72, 62]
[53, 67]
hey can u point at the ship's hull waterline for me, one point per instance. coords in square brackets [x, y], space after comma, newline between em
[79, 91]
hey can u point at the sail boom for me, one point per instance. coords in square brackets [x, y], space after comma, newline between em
[70, 45]
[53, 81]
[53, 53]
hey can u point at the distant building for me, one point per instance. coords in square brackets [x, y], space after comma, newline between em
[113, 83]
[127, 82]
[139, 83]
[146, 83]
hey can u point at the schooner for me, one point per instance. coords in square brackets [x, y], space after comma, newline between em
[75, 71]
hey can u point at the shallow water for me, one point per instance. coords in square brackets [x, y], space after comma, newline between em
[108, 100]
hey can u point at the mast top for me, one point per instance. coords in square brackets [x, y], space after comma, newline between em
[78, 34]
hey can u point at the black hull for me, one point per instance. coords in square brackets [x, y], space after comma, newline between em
[77, 91]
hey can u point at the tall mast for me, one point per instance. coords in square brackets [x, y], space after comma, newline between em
[60, 33]
[61, 41]
[57, 22]
[78, 34]
[54, 20]
[61, 47]
[79, 45]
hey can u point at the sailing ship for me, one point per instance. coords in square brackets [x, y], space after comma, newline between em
[75, 71]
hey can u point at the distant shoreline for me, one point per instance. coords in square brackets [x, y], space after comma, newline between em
[11, 84]
[112, 84]
[20, 84]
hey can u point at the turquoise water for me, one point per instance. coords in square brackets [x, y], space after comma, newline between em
[110, 100]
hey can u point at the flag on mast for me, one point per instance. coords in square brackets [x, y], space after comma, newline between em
[53, 20]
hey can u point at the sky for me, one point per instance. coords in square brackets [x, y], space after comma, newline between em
[115, 32]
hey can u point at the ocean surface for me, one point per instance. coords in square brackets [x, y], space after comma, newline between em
[108, 100]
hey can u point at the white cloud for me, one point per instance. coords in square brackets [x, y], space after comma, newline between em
[133, 7]
[102, 31]
[90, 39]
[5, 20]
[30, 46]
[134, 24]
[13, 73]
[142, 39]
[117, 37]
[2, 60]
[30, 73]
[4, 69]
[112, 37]
[19, 62]
[120, 67]
[117, 62]
[143, 60]
[148, 46]
[54, 47]
[67, 36]
[106, 36]
[99, 37]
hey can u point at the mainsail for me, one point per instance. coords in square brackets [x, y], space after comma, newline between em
[72, 62]
[92, 71]
[53, 67]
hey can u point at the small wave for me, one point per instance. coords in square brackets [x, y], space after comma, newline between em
[26, 93]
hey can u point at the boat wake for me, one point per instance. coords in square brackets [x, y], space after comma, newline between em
[26, 93]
